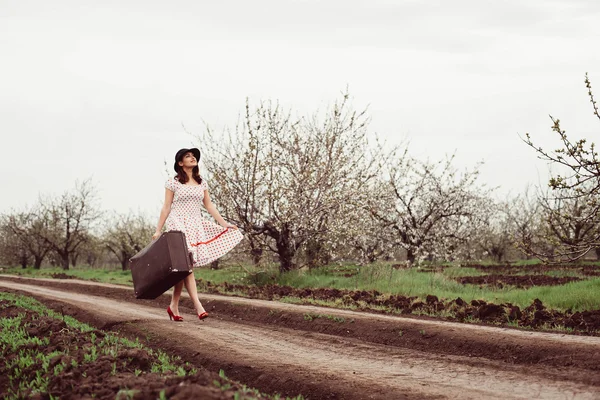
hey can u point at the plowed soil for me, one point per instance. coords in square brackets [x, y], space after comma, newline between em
[124, 370]
[518, 281]
[326, 353]
[535, 315]
[588, 270]
[509, 269]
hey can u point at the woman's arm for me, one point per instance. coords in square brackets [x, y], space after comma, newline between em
[164, 213]
[212, 210]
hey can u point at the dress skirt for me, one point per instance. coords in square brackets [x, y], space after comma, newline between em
[206, 240]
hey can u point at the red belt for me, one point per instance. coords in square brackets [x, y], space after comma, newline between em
[211, 240]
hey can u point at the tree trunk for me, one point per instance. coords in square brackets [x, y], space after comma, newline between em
[325, 258]
[214, 264]
[256, 253]
[497, 254]
[64, 258]
[286, 252]
[91, 260]
[286, 248]
[124, 258]
[24, 262]
[74, 257]
[371, 254]
[285, 263]
[37, 262]
[313, 252]
[597, 250]
[411, 256]
[316, 254]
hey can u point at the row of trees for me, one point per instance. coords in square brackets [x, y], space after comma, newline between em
[71, 228]
[313, 189]
[309, 190]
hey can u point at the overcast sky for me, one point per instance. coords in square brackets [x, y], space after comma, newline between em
[101, 89]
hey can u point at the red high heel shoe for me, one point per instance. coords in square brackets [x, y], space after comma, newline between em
[173, 316]
[203, 315]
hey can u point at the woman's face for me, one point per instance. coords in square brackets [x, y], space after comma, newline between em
[188, 160]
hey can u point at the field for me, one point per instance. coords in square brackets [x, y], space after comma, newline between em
[335, 332]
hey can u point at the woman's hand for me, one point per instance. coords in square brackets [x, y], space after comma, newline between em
[156, 235]
[228, 225]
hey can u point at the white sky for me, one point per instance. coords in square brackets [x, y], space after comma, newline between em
[101, 89]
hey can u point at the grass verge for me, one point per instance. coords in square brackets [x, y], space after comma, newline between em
[383, 278]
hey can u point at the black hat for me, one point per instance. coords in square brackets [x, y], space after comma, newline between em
[179, 155]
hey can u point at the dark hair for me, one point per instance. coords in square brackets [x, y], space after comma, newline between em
[182, 177]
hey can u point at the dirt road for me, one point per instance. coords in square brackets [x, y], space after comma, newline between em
[280, 357]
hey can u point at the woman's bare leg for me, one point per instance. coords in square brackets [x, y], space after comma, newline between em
[190, 285]
[175, 297]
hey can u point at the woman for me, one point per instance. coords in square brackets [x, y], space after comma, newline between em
[206, 240]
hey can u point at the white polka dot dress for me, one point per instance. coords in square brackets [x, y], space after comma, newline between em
[206, 240]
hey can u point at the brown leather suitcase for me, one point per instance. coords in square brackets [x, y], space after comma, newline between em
[160, 265]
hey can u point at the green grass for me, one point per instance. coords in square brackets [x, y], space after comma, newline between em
[34, 305]
[457, 272]
[115, 276]
[233, 274]
[13, 337]
[533, 261]
[110, 343]
[563, 273]
[577, 296]
[537, 262]
[312, 317]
